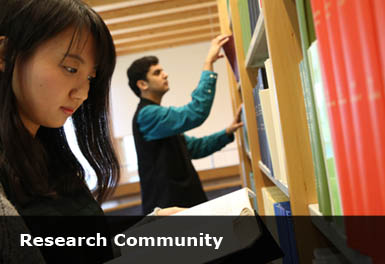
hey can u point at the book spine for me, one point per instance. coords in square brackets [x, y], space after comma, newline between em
[263, 84]
[290, 226]
[373, 136]
[315, 140]
[245, 131]
[379, 13]
[276, 120]
[371, 103]
[283, 233]
[309, 21]
[245, 24]
[322, 187]
[263, 144]
[264, 96]
[338, 110]
[229, 49]
[323, 122]
[257, 105]
[253, 188]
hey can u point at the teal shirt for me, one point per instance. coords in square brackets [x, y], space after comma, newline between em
[156, 121]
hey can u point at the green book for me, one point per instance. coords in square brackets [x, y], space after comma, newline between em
[314, 132]
[322, 186]
[243, 7]
[244, 129]
[323, 122]
[309, 20]
[253, 188]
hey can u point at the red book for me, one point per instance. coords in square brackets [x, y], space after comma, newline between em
[229, 49]
[334, 112]
[339, 113]
[359, 50]
[373, 91]
[379, 14]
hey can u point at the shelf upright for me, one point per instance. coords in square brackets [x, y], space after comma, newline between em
[248, 79]
[235, 93]
[284, 45]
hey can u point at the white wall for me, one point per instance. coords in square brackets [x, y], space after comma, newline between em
[184, 66]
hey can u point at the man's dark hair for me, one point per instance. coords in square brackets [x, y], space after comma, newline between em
[138, 71]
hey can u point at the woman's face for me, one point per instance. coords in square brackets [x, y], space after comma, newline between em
[48, 88]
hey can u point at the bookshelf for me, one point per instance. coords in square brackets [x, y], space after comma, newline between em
[277, 183]
[258, 52]
[276, 36]
[283, 42]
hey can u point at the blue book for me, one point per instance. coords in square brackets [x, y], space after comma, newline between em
[283, 234]
[253, 14]
[290, 224]
[283, 211]
[262, 137]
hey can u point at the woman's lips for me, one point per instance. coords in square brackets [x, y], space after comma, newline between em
[67, 110]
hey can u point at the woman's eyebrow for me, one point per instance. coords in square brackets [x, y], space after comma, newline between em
[79, 58]
[76, 57]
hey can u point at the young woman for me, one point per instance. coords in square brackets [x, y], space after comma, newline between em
[56, 62]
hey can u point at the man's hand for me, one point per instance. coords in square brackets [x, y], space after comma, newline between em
[213, 55]
[237, 123]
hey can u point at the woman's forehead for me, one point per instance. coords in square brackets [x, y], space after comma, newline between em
[76, 43]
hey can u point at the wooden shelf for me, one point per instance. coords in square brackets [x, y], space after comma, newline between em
[276, 36]
[336, 236]
[277, 183]
[248, 154]
[258, 51]
[239, 87]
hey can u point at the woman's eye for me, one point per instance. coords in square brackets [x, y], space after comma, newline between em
[70, 69]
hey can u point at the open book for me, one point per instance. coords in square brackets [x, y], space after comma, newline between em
[219, 227]
[234, 203]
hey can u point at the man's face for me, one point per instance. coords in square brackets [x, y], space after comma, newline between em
[157, 79]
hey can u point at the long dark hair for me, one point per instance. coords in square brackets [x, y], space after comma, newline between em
[45, 165]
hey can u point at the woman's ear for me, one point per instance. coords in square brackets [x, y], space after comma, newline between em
[3, 41]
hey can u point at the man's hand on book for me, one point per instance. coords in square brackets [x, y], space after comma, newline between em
[237, 123]
[213, 55]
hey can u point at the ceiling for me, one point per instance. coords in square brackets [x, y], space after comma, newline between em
[143, 25]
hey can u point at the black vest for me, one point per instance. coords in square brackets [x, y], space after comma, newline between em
[167, 176]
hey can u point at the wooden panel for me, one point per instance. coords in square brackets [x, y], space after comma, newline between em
[156, 19]
[211, 174]
[95, 3]
[282, 27]
[133, 188]
[150, 7]
[170, 44]
[244, 166]
[150, 21]
[285, 52]
[136, 200]
[211, 22]
[248, 81]
[167, 37]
